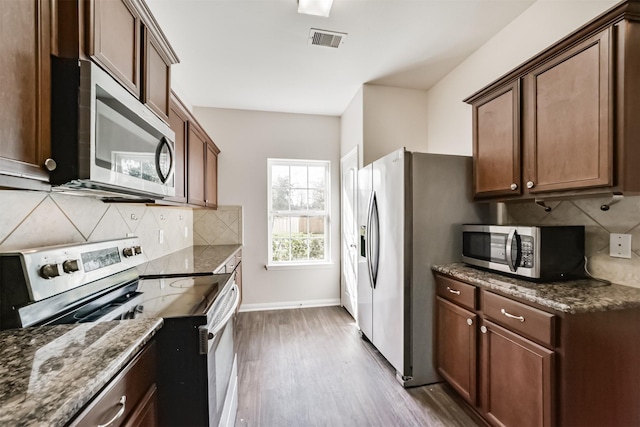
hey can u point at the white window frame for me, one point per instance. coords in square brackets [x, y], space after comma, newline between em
[271, 264]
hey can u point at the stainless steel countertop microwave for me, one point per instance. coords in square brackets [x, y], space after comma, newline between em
[104, 141]
[534, 252]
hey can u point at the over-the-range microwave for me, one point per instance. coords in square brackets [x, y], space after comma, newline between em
[104, 141]
[532, 252]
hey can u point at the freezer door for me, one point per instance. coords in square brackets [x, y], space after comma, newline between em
[389, 304]
[365, 286]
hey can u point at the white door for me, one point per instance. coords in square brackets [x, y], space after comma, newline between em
[349, 258]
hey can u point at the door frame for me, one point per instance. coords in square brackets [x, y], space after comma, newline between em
[347, 161]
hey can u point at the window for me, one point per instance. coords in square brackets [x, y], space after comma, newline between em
[298, 211]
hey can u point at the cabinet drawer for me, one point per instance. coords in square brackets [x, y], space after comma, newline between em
[520, 318]
[122, 396]
[455, 291]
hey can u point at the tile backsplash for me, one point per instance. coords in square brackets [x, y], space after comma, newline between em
[623, 217]
[30, 219]
[220, 227]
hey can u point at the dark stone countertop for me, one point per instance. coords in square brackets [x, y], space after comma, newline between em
[49, 373]
[194, 260]
[572, 296]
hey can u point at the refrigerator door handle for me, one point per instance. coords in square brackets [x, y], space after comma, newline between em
[368, 239]
[374, 255]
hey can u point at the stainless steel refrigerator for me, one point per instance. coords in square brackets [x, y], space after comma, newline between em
[411, 207]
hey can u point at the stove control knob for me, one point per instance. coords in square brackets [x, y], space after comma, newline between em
[49, 271]
[137, 250]
[127, 252]
[70, 266]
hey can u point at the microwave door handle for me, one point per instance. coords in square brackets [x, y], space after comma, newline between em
[509, 246]
[164, 142]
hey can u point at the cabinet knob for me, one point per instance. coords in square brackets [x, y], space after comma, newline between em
[530, 184]
[514, 186]
[50, 164]
[483, 329]
[469, 322]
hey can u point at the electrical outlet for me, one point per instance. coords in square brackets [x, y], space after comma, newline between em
[186, 231]
[620, 245]
[161, 236]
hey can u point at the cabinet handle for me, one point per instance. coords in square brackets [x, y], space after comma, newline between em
[530, 184]
[469, 322]
[453, 291]
[50, 164]
[514, 186]
[483, 329]
[511, 316]
[118, 414]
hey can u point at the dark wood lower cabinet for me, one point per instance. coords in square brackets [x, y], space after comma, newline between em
[129, 399]
[533, 366]
[517, 377]
[456, 352]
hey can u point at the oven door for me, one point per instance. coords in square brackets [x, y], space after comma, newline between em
[217, 342]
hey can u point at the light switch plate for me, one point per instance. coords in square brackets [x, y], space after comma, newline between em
[620, 245]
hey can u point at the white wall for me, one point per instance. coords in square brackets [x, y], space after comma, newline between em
[393, 118]
[352, 127]
[246, 139]
[449, 128]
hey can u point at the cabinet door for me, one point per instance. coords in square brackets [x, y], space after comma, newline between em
[197, 148]
[25, 74]
[157, 82]
[114, 40]
[456, 348]
[568, 136]
[211, 183]
[517, 379]
[496, 143]
[178, 120]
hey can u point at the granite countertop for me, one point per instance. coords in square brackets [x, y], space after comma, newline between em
[49, 373]
[193, 261]
[572, 296]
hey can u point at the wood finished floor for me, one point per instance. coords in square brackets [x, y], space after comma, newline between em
[309, 367]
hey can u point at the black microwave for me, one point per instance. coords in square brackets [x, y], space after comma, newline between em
[531, 252]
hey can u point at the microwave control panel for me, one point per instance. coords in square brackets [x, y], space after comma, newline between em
[527, 250]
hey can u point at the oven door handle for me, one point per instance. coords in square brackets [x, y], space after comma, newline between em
[208, 333]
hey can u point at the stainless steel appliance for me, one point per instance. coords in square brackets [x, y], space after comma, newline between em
[104, 140]
[546, 253]
[197, 363]
[411, 207]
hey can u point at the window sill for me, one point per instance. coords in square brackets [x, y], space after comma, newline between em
[309, 266]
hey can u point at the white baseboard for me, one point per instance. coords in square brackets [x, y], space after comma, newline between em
[286, 305]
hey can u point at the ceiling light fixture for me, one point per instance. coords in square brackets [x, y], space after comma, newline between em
[315, 7]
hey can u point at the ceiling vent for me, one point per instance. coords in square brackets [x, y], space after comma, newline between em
[326, 38]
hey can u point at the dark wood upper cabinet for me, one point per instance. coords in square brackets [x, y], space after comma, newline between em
[123, 37]
[197, 148]
[114, 34]
[572, 123]
[157, 72]
[196, 159]
[567, 117]
[496, 142]
[211, 175]
[25, 49]
[178, 120]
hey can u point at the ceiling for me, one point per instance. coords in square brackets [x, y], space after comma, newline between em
[254, 54]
